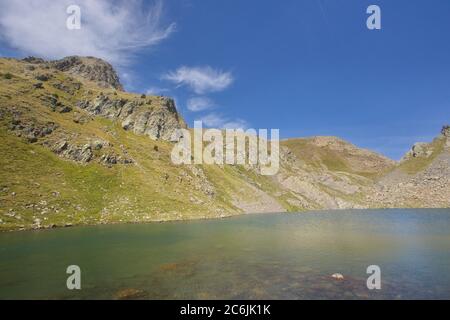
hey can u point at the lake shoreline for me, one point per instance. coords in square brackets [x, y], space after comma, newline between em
[318, 255]
[71, 225]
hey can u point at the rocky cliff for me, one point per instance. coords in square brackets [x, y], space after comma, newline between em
[421, 179]
[77, 149]
[92, 69]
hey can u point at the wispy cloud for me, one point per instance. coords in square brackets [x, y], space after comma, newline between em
[200, 79]
[112, 30]
[200, 104]
[156, 91]
[215, 120]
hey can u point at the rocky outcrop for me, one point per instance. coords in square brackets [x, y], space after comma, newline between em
[76, 153]
[155, 117]
[446, 131]
[97, 150]
[53, 102]
[425, 189]
[34, 60]
[31, 129]
[89, 68]
[419, 149]
[420, 180]
[85, 68]
[427, 150]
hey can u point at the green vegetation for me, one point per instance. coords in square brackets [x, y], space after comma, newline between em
[39, 188]
[42, 187]
[342, 157]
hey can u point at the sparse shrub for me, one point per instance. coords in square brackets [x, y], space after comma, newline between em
[155, 147]
[7, 76]
[43, 77]
[143, 96]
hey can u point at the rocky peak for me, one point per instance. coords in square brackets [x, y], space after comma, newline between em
[425, 150]
[33, 60]
[90, 68]
[419, 149]
[446, 131]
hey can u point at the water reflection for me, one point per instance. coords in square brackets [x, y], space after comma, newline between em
[275, 256]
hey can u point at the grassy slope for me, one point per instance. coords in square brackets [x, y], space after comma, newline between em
[37, 184]
[336, 161]
[35, 180]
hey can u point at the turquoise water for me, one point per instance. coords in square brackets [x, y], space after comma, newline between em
[265, 256]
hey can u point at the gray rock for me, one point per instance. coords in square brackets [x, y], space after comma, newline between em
[420, 149]
[43, 77]
[112, 159]
[446, 131]
[31, 129]
[90, 68]
[33, 60]
[70, 86]
[156, 121]
[76, 153]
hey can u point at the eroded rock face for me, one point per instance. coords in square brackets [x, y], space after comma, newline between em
[420, 149]
[446, 131]
[90, 68]
[33, 60]
[156, 118]
[31, 129]
[86, 68]
[76, 153]
[96, 150]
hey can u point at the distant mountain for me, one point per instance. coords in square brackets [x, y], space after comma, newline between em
[421, 179]
[77, 149]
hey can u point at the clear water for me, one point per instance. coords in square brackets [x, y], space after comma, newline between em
[269, 256]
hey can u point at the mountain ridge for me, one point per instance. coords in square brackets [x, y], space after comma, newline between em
[80, 150]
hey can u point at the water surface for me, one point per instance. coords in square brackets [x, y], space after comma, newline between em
[266, 256]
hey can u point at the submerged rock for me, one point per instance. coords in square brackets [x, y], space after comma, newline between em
[337, 276]
[129, 294]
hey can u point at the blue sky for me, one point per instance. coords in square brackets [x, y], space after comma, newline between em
[306, 67]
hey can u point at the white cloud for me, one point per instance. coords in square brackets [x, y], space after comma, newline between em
[214, 120]
[236, 124]
[200, 104]
[112, 30]
[201, 79]
[156, 91]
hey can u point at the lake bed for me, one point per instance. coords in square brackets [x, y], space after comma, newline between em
[261, 256]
